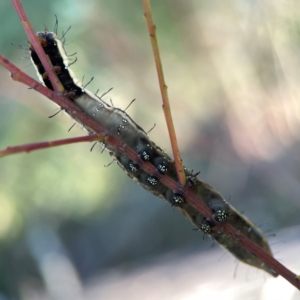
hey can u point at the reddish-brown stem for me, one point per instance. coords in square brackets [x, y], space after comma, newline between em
[164, 92]
[43, 145]
[57, 86]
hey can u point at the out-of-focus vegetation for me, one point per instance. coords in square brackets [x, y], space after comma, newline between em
[233, 72]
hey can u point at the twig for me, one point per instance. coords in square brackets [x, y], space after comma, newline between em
[164, 93]
[43, 145]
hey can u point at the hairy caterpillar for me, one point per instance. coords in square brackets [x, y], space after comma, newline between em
[122, 126]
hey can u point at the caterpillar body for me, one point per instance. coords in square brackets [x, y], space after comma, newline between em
[119, 124]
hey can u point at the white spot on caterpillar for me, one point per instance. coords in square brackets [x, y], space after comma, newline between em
[221, 215]
[162, 168]
[152, 180]
[205, 228]
[145, 155]
[132, 167]
[178, 199]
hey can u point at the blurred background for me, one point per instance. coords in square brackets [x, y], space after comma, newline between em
[71, 228]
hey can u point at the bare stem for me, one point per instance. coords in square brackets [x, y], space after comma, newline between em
[43, 145]
[164, 93]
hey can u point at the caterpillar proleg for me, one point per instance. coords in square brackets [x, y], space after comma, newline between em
[119, 124]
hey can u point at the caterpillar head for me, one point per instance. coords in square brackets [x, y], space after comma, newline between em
[54, 48]
[45, 38]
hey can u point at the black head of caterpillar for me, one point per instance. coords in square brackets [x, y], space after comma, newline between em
[53, 47]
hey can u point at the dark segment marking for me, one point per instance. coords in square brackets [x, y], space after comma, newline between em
[144, 150]
[174, 198]
[133, 167]
[152, 180]
[146, 153]
[206, 226]
[161, 164]
[178, 199]
[221, 215]
[126, 163]
[220, 207]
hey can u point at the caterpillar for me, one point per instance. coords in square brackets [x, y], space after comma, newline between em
[120, 124]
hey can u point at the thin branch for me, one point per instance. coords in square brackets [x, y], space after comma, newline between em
[43, 145]
[164, 93]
